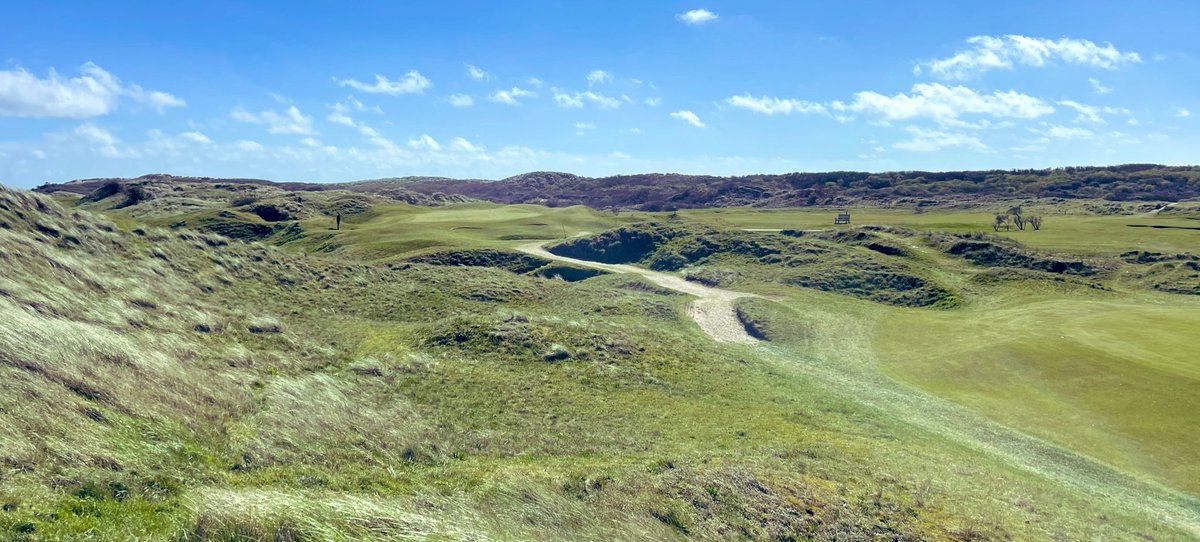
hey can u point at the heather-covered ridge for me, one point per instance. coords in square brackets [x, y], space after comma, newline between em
[659, 191]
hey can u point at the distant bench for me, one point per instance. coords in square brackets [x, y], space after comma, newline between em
[842, 218]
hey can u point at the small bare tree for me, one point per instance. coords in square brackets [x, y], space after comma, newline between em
[1035, 222]
[1002, 221]
[1018, 219]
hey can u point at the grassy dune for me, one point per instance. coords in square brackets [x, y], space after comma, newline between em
[160, 383]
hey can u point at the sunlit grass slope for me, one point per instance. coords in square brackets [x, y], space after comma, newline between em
[159, 383]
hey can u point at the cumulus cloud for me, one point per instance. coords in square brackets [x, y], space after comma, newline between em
[340, 118]
[697, 16]
[103, 141]
[1062, 132]
[248, 146]
[653, 102]
[1098, 87]
[1183, 113]
[95, 134]
[775, 106]
[566, 99]
[196, 137]
[945, 104]
[291, 121]
[1003, 52]
[462, 145]
[476, 73]
[598, 77]
[1092, 113]
[424, 142]
[95, 92]
[926, 140]
[412, 83]
[688, 117]
[509, 97]
[353, 104]
[461, 100]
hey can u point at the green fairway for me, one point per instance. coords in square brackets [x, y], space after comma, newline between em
[1115, 380]
[395, 230]
[1067, 229]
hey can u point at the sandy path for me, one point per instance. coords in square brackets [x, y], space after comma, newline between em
[712, 309]
[1161, 209]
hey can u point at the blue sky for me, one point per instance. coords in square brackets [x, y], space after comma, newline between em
[326, 91]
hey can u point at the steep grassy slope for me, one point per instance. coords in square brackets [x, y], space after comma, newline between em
[170, 384]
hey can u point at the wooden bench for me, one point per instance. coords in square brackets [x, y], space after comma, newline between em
[842, 218]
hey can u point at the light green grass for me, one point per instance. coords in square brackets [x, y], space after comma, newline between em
[412, 402]
[1068, 229]
[1116, 380]
[391, 231]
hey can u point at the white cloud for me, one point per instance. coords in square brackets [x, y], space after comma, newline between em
[1091, 113]
[248, 146]
[1063, 132]
[103, 142]
[461, 100]
[1098, 87]
[353, 104]
[462, 145]
[425, 142]
[196, 137]
[477, 74]
[340, 118]
[772, 106]
[535, 82]
[509, 97]
[95, 92]
[160, 101]
[412, 83]
[598, 77]
[291, 121]
[991, 52]
[697, 16]
[1183, 113]
[310, 142]
[1087, 113]
[582, 127]
[564, 99]
[95, 134]
[653, 102]
[945, 104]
[925, 140]
[688, 117]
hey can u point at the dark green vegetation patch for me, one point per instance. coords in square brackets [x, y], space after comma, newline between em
[860, 263]
[516, 262]
[1172, 273]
